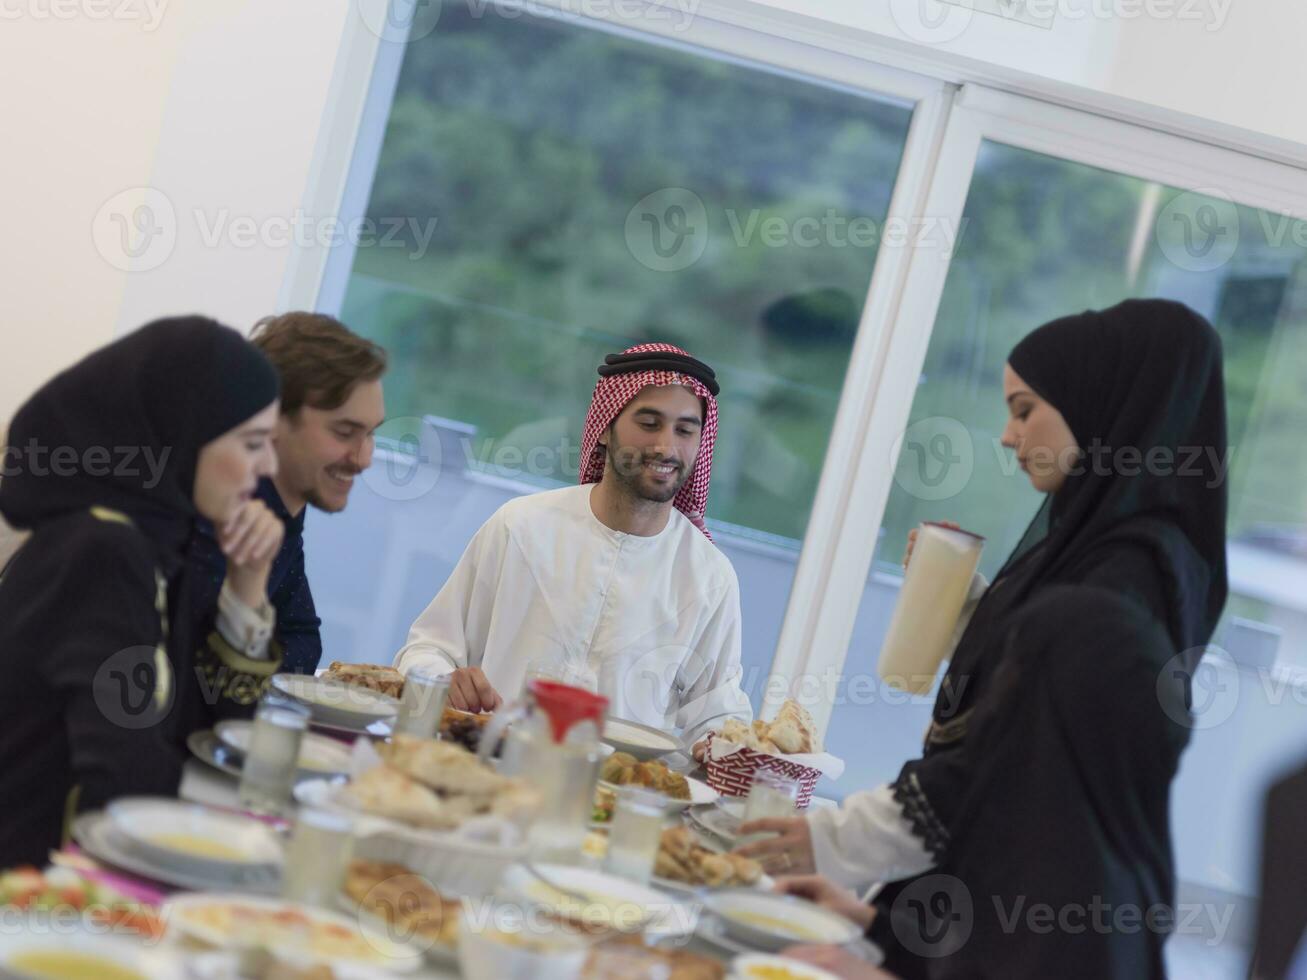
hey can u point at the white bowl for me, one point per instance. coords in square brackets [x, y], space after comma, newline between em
[614, 901]
[73, 948]
[335, 703]
[318, 754]
[192, 838]
[744, 967]
[199, 917]
[641, 741]
[771, 922]
[487, 952]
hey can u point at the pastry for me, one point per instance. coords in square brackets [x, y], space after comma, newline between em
[441, 766]
[387, 792]
[375, 677]
[682, 858]
[404, 900]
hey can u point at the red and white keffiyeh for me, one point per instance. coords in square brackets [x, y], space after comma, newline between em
[614, 393]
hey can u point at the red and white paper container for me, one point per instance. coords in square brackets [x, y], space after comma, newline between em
[732, 775]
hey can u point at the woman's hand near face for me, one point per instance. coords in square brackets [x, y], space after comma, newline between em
[912, 540]
[251, 540]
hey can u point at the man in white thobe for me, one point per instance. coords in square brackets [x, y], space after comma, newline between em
[614, 582]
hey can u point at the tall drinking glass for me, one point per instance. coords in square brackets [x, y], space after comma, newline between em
[425, 694]
[637, 828]
[771, 795]
[318, 856]
[268, 774]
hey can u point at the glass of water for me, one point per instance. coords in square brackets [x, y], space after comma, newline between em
[268, 774]
[637, 828]
[422, 703]
[318, 857]
[771, 795]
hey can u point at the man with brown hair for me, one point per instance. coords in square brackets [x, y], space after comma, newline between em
[331, 403]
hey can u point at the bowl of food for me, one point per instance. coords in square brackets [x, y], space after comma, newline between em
[641, 741]
[492, 947]
[287, 930]
[770, 922]
[76, 955]
[194, 839]
[758, 966]
[336, 703]
[597, 902]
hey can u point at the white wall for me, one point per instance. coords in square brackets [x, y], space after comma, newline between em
[216, 103]
[80, 120]
[1237, 63]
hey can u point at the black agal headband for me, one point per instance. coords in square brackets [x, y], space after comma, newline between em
[660, 361]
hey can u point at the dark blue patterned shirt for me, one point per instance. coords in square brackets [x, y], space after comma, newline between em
[298, 625]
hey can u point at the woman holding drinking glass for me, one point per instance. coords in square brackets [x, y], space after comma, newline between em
[107, 466]
[1119, 417]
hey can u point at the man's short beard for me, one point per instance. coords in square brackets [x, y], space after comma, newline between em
[629, 482]
[314, 500]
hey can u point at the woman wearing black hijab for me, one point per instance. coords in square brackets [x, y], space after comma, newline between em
[107, 465]
[1060, 864]
[1119, 416]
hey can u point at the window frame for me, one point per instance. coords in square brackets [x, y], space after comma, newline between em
[948, 125]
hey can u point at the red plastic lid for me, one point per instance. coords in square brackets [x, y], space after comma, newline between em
[566, 705]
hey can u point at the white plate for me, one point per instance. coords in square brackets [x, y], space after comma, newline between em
[318, 753]
[742, 968]
[337, 704]
[617, 900]
[150, 963]
[641, 741]
[770, 922]
[147, 823]
[764, 884]
[97, 836]
[183, 915]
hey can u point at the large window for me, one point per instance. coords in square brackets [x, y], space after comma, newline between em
[1045, 237]
[566, 193]
[562, 192]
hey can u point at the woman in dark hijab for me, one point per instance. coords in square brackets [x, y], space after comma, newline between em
[1119, 416]
[1060, 862]
[108, 465]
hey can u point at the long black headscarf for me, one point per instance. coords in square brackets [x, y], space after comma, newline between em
[1061, 862]
[1141, 387]
[123, 429]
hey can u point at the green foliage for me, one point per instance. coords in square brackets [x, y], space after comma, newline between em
[529, 141]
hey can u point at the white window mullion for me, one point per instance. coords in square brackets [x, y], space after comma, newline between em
[905, 290]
